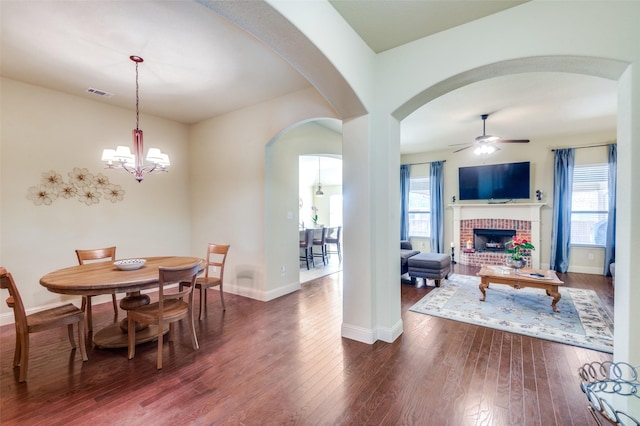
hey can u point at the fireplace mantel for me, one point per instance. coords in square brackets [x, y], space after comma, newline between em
[516, 211]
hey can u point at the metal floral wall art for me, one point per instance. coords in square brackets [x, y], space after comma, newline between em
[87, 187]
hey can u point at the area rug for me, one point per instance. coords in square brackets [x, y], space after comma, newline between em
[582, 321]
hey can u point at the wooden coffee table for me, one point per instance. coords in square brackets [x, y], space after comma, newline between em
[521, 279]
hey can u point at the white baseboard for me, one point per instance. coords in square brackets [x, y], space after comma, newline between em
[594, 270]
[389, 335]
[357, 333]
[261, 294]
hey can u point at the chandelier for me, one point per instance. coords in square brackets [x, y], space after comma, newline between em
[122, 158]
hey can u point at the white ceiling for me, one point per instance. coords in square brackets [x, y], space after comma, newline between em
[330, 170]
[198, 65]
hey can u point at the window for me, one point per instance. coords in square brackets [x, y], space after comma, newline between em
[419, 207]
[590, 204]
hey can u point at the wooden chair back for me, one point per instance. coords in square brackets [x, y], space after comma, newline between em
[96, 254]
[216, 259]
[14, 300]
[102, 254]
[170, 276]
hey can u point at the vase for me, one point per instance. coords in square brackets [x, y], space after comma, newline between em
[515, 263]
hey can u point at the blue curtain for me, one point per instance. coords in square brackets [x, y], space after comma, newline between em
[436, 192]
[610, 248]
[561, 222]
[405, 178]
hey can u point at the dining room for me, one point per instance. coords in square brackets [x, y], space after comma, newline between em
[320, 207]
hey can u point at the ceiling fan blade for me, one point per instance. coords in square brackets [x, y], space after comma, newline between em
[512, 141]
[459, 144]
[462, 149]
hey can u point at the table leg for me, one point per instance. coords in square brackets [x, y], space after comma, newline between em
[115, 335]
[132, 301]
[484, 284]
[556, 298]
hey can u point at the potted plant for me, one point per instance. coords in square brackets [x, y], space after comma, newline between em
[517, 250]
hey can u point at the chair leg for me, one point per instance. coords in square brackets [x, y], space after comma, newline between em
[224, 308]
[16, 354]
[192, 327]
[24, 357]
[339, 250]
[131, 332]
[160, 327]
[203, 301]
[70, 333]
[115, 305]
[81, 342]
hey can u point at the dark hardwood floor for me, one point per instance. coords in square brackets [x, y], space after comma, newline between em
[284, 362]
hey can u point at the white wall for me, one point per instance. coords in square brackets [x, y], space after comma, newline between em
[229, 169]
[45, 130]
[282, 198]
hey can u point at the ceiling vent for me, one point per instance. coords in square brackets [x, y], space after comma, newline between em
[99, 92]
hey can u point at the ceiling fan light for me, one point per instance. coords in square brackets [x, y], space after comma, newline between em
[486, 139]
[484, 149]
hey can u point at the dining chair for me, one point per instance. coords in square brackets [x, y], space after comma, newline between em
[321, 242]
[213, 274]
[170, 307]
[334, 237]
[306, 244]
[40, 321]
[89, 255]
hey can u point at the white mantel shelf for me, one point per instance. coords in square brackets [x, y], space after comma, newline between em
[517, 211]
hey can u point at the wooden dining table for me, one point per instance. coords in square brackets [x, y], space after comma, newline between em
[105, 278]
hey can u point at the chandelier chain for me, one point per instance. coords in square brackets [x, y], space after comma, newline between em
[137, 100]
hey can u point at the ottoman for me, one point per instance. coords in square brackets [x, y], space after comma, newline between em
[435, 266]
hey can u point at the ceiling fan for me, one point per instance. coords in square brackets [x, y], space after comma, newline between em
[485, 143]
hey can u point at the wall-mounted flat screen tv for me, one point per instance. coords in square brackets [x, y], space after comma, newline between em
[496, 181]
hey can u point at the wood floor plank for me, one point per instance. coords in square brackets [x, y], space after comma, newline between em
[284, 362]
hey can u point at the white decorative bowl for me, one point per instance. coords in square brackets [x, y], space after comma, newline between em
[129, 264]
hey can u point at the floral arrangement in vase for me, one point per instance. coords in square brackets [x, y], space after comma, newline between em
[314, 215]
[515, 249]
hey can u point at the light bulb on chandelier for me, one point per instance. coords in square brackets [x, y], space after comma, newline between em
[122, 158]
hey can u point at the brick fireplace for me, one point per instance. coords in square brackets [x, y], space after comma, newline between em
[523, 219]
